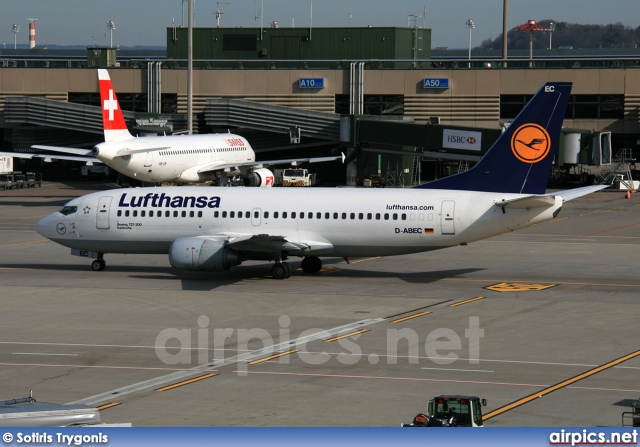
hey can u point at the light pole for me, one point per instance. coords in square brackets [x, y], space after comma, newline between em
[470, 26]
[111, 25]
[552, 28]
[531, 27]
[15, 30]
[505, 31]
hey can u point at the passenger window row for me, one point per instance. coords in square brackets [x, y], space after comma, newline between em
[265, 215]
[310, 215]
[201, 151]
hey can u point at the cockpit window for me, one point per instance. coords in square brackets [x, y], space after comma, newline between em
[66, 210]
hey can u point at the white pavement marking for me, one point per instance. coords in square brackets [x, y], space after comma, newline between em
[463, 370]
[241, 358]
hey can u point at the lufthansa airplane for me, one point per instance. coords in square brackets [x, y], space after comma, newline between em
[201, 228]
[181, 158]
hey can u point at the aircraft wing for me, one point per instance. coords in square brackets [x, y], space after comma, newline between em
[295, 161]
[215, 166]
[535, 201]
[266, 243]
[49, 157]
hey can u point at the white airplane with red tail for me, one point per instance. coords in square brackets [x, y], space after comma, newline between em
[173, 158]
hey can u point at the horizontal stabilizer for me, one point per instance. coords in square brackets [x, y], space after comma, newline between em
[64, 150]
[549, 199]
[570, 194]
[126, 152]
[50, 157]
[528, 202]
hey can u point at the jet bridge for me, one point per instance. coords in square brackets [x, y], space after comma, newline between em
[237, 113]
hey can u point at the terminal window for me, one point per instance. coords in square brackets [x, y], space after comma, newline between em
[579, 107]
[373, 104]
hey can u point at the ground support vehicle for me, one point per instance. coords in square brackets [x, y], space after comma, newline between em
[298, 177]
[451, 411]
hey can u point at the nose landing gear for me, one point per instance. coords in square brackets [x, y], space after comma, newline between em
[98, 265]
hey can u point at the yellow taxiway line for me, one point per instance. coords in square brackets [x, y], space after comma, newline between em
[271, 357]
[560, 385]
[186, 382]
[470, 300]
[410, 317]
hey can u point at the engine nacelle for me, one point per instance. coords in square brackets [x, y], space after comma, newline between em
[259, 177]
[194, 253]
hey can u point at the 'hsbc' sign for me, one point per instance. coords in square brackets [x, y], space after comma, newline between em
[462, 139]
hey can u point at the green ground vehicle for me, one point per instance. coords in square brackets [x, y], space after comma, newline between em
[451, 411]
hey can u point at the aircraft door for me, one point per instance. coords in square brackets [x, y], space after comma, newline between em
[447, 222]
[255, 217]
[149, 160]
[102, 216]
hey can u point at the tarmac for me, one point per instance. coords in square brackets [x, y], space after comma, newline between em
[542, 322]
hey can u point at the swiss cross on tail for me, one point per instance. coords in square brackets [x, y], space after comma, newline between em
[113, 122]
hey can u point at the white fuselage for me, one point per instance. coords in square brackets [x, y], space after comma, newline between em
[327, 222]
[180, 157]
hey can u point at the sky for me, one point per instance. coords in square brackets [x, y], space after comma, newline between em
[144, 22]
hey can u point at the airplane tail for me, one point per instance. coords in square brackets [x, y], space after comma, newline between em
[520, 159]
[115, 128]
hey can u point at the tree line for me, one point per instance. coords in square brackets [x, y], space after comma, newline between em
[574, 35]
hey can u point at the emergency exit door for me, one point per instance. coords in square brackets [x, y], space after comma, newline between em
[255, 217]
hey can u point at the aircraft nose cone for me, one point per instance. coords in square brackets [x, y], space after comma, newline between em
[43, 227]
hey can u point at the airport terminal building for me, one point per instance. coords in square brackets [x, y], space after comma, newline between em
[304, 90]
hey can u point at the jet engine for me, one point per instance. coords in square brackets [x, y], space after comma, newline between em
[194, 253]
[259, 177]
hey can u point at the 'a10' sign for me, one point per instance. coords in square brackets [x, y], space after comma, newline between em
[311, 83]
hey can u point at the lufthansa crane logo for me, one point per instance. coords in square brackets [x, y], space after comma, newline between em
[530, 143]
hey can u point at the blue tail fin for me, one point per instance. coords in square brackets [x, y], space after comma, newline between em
[520, 159]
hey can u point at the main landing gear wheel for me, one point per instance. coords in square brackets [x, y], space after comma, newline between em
[98, 265]
[311, 264]
[281, 270]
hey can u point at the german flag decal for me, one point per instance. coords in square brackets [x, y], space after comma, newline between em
[530, 143]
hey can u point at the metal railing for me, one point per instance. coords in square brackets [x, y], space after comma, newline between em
[444, 63]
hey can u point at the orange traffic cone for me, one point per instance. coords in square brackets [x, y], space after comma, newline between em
[628, 196]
